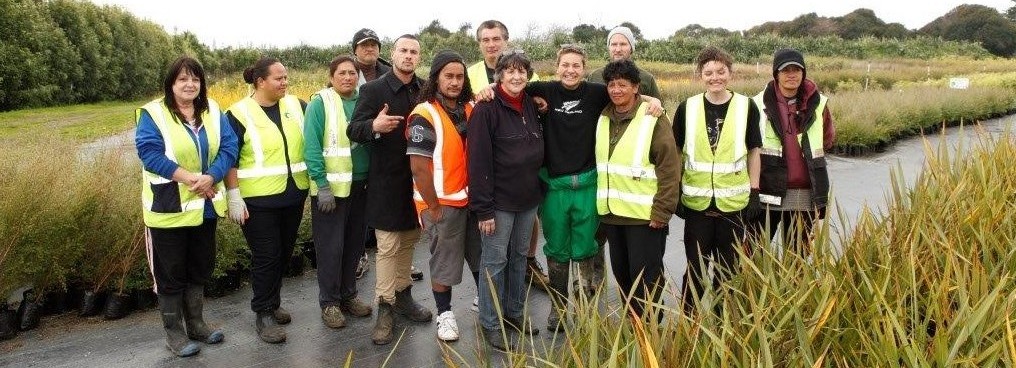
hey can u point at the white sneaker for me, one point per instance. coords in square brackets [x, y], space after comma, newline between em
[476, 304]
[447, 329]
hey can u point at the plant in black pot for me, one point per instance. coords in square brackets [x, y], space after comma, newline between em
[128, 270]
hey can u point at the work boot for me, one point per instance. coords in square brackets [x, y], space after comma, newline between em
[171, 307]
[415, 273]
[194, 302]
[385, 324]
[535, 274]
[332, 316]
[282, 316]
[268, 329]
[355, 307]
[362, 266]
[407, 306]
[558, 274]
[500, 341]
[520, 325]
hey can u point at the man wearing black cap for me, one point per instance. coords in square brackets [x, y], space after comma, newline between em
[379, 119]
[797, 130]
[366, 52]
[437, 156]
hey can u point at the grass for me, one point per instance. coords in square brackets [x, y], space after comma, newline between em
[79, 123]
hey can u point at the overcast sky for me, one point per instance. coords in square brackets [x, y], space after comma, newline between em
[324, 23]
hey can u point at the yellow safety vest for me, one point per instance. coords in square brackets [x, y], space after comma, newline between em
[626, 179]
[180, 148]
[772, 144]
[337, 149]
[720, 175]
[262, 168]
[478, 76]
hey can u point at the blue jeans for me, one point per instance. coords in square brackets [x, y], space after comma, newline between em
[503, 261]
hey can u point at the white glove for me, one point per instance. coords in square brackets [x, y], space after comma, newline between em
[237, 207]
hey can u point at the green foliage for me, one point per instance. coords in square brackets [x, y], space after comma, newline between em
[588, 33]
[36, 59]
[435, 28]
[977, 23]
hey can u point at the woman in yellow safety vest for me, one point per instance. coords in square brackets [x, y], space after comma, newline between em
[186, 147]
[718, 134]
[268, 186]
[338, 188]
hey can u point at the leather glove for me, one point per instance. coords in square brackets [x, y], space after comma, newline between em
[325, 200]
[753, 210]
[237, 207]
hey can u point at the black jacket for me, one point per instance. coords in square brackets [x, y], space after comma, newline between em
[505, 153]
[390, 181]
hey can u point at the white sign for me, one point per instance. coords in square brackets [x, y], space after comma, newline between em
[959, 83]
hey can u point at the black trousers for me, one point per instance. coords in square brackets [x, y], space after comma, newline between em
[709, 242]
[271, 235]
[796, 230]
[181, 256]
[338, 244]
[636, 253]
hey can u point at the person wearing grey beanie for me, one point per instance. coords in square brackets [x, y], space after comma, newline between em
[798, 130]
[620, 45]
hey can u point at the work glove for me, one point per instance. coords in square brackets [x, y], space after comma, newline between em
[325, 200]
[237, 207]
[753, 210]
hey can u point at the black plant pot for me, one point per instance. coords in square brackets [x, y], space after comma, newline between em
[7, 319]
[29, 311]
[307, 249]
[92, 303]
[56, 302]
[118, 305]
[296, 265]
[144, 299]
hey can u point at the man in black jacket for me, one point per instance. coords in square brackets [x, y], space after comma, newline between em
[379, 118]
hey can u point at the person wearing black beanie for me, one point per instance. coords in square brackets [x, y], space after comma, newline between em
[797, 131]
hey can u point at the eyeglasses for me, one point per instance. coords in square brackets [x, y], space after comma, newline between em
[513, 51]
[572, 47]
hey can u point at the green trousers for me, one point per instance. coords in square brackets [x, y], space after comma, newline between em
[569, 217]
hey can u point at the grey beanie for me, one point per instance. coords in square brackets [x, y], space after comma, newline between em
[442, 58]
[625, 32]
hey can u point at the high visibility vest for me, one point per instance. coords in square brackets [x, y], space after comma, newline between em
[478, 76]
[772, 147]
[187, 209]
[262, 166]
[720, 175]
[448, 164]
[626, 179]
[337, 149]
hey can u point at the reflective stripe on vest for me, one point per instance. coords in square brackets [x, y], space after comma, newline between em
[182, 149]
[337, 149]
[262, 169]
[772, 144]
[448, 162]
[626, 179]
[722, 174]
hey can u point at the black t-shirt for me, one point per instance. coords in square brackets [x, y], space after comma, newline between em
[292, 195]
[569, 126]
[715, 115]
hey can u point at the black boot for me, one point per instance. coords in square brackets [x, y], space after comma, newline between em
[520, 325]
[385, 324]
[407, 306]
[194, 302]
[558, 274]
[172, 320]
[268, 330]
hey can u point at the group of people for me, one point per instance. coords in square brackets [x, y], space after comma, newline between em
[469, 163]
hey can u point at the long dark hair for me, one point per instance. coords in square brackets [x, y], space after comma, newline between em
[192, 66]
[430, 90]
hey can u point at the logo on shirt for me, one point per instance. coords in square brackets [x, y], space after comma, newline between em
[416, 134]
[567, 107]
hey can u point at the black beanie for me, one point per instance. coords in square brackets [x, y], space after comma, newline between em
[442, 58]
[784, 57]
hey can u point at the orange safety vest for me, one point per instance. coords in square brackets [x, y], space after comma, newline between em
[448, 164]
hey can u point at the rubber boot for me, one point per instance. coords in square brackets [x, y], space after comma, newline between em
[385, 324]
[268, 329]
[172, 320]
[558, 274]
[590, 274]
[407, 306]
[193, 313]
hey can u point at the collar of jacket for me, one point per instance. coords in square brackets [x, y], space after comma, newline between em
[395, 83]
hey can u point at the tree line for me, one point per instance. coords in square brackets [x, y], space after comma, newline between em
[68, 51]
